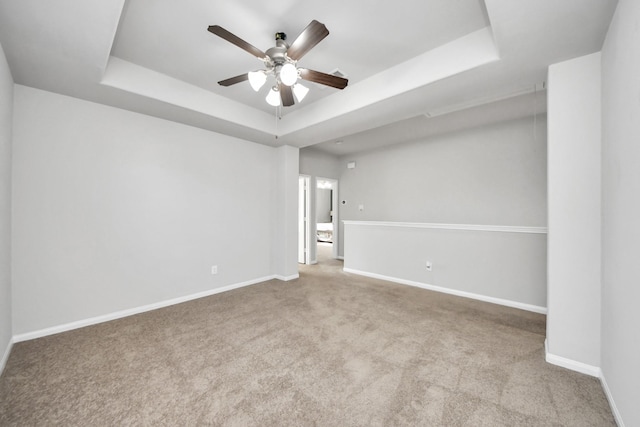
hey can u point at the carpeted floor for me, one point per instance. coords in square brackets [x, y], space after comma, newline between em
[328, 349]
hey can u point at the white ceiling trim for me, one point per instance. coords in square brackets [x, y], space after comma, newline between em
[539, 87]
[124, 75]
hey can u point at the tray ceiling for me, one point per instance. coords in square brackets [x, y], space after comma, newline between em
[156, 57]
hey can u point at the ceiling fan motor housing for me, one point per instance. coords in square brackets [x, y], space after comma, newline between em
[278, 53]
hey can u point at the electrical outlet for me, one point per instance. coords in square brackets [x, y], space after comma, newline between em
[429, 266]
[214, 269]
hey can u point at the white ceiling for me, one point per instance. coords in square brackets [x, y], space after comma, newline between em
[464, 61]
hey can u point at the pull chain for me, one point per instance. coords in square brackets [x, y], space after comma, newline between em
[277, 120]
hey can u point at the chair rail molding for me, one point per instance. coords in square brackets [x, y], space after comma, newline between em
[442, 226]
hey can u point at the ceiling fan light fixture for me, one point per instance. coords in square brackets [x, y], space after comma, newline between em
[273, 97]
[257, 79]
[288, 74]
[300, 91]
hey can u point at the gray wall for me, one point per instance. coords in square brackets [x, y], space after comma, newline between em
[493, 175]
[621, 210]
[323, 204]
[573, 321]
[501, 266]
[316, 163]
[284, 231]
[115, 210]
[6, 114]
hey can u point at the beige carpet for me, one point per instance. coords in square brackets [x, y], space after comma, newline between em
[328, 349]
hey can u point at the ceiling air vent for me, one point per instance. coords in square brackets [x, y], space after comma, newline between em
[336, 72]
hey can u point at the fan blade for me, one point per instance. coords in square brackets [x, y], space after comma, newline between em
[286, 95]
[232, 38]
[323, 78]
[234, 80]
[313, 34]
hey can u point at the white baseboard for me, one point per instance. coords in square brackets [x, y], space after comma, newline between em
[5, 356]
[612, 403]
[583, 368]
[499, 301]
[593, 371]
[136, 310]
[340, 257]
[287, 278]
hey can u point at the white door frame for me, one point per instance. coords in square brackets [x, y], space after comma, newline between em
[304, 223]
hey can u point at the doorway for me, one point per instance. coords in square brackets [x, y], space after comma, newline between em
[326, 219]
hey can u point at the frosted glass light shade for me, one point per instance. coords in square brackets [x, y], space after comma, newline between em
[288, 74]
[300, 91]
[257, 79]
[273, 97]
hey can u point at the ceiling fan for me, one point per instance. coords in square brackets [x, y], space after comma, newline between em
[280, 62]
